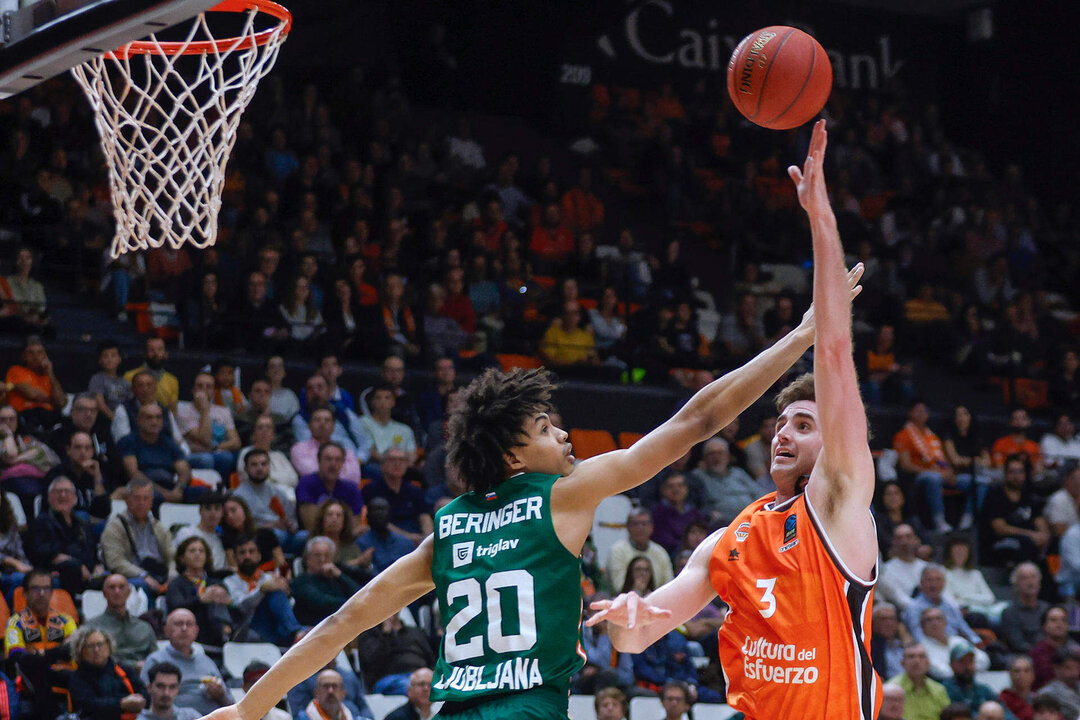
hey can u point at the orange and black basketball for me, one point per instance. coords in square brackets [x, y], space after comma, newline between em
[779, 77]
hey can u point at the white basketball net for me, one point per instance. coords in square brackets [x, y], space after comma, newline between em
[167, 136]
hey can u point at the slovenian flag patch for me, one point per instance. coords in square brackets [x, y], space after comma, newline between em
[491, 496]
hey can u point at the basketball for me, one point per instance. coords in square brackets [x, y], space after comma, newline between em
[779, 77]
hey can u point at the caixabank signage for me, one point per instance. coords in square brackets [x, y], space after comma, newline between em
[650, 42]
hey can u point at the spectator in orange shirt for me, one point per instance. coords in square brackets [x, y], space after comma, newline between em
[582, 210]
[551, 242]
[33, 388]
[886, 377]
[922, 455]
[491, 222]
[1018, 443]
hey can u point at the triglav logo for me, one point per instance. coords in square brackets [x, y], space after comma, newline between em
[463, 553]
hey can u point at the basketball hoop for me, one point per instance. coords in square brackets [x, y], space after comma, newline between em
[168, 112]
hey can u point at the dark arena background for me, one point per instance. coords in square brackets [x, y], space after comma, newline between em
[423, 190]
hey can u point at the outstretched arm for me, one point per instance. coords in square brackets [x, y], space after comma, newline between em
[635, 623]
[843, 479]
[709, 410]
[400, 584]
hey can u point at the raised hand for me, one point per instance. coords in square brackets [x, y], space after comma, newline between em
[853, 277]
[810, 180]
[627, 610]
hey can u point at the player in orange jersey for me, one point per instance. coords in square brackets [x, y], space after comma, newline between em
[797, 566]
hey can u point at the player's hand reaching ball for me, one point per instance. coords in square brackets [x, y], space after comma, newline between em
[628, 610]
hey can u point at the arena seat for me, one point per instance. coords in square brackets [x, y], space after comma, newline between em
[383, 705]
[172, 514]
[627, 439]
[713, 711]
[609, 525]
[583, 707]
[646, 708]
[236, 656]
[509, 361]
[588, 443]
[61, 602]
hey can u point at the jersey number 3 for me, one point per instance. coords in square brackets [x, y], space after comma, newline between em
[767, 597]
[521, 582]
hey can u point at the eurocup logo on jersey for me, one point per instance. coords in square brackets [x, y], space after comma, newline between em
[462, 553]
[791, 534]
[742, 532]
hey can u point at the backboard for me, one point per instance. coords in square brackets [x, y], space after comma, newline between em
[43, 38]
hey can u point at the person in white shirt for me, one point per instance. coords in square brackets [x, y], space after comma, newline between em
[966, 584]
[1061, 445]
[1061, 506]
[639, 526]
[900, 574]
[940, 646]
[384, 431]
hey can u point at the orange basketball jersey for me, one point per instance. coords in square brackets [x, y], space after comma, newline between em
[796, 642]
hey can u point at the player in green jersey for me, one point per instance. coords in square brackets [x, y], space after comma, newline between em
[505, 557]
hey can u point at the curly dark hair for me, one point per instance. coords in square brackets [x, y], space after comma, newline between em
[490, 422]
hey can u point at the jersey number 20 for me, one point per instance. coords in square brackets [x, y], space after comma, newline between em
[488, 599]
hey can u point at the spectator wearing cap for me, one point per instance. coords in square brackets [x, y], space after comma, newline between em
[962, 686]
[924, 697]
[1054, 639]
[939, 644]
[208, 428]
[61, 541]
[255, 670]
[164, 685]
[211, 509]
[1065, 687]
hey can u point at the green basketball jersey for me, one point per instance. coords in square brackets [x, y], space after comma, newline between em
[509, 592]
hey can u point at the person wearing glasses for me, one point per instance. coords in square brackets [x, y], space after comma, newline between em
[34, 638]
[101, 688]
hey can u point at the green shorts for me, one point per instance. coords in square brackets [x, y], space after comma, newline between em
[541, 703]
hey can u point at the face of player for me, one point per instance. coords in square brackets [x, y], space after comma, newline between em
[546, 449]
[796, 444]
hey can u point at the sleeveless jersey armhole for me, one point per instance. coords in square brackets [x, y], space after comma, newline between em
[826, 541]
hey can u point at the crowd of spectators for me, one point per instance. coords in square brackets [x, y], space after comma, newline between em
[357, 228]
[354, 223]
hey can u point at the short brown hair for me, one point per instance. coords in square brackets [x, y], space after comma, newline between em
[612, 692]
[801, 388]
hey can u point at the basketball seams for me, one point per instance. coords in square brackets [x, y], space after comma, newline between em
[764, 80]
[806, 81]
